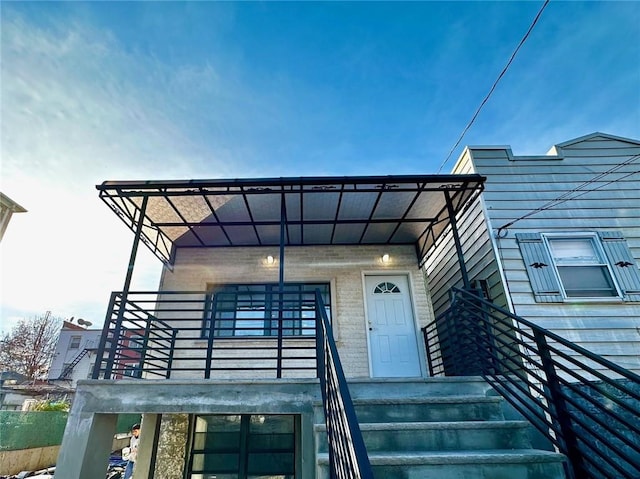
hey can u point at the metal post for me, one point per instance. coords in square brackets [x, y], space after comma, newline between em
[456, 241]
[210, 332]
[283, 214]
[569, 438]
[97, 367]
[174, 333]
[125, 291]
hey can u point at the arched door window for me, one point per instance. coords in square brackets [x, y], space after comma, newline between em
[386, 288]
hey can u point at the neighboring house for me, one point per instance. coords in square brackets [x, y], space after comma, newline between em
[75, 353]
[7, 208]
[18, 393]
[555, 239]
[11, 399]
[271, 283]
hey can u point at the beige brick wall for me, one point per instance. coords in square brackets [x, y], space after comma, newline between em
[343, 266]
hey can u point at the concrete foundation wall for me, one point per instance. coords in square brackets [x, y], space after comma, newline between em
[196, 269]
[13, 462]
[94, 413]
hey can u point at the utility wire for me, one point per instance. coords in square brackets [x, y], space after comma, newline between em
[495, 84]
[579, 190]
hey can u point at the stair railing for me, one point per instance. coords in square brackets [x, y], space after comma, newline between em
[67, 370]
[348, 457]
[587, 406]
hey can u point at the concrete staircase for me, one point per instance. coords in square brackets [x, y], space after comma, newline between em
[440, 428]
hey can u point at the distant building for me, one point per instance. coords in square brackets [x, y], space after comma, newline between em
[7, 208]
[75, 353]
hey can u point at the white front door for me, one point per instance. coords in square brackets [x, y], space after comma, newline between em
[393, 342]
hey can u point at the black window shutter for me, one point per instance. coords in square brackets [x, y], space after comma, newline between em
[544, 283]
[623, 264]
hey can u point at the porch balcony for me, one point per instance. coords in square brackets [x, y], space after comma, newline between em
[200, 335]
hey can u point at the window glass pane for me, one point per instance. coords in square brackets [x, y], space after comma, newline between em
[217, 464]
[572, 250]
[136, 341]
[586, 281]
[224, 445]
[386, 288]
[270, 464]
[216, 446]
[271, 424]
[75, 342]
[249, 323]
[262, 310]
[271, 445]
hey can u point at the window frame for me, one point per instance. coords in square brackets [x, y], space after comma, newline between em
[297, 326]
[71, 342]
[241, 444]
[596, 242]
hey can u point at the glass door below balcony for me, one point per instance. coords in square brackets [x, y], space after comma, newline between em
[244, 447]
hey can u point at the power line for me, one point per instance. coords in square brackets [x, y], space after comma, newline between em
[566, 196]
[495, 84]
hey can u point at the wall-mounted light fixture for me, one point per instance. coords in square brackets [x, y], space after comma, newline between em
[270, 259]
[385, 258]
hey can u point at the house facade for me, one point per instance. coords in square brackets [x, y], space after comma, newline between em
[230, 337]
[555, 238]
[75, 354]
[289, 306]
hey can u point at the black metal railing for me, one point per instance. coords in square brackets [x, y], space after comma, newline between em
[348, 457]
[151, 335]
[187, 334]
[587, 406]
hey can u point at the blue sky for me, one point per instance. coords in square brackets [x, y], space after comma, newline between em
[156, 90]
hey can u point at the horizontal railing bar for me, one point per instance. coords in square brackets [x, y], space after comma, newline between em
[597, 448]
[595, 373]
[586, 412]
[536, 418]
[601, 418]
[559, 339]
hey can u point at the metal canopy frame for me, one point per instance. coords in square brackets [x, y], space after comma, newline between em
[381, 210]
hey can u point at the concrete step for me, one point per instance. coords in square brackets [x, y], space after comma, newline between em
[491, 464]
[444, 428]
[438, 436]
[437, 409]
[420, 387]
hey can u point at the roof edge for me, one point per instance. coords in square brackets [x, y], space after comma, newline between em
[596, 134]
[283, 181]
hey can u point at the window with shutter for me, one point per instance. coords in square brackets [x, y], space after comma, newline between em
[622, 263]
[579, 266]
[545, 285]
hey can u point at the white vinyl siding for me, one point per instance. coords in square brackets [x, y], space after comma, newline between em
[609, 208]
[442, 268]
